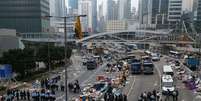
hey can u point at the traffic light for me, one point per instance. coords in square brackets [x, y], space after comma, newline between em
[78, 28]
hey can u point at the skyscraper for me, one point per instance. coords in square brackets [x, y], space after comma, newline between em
[187, 6]
[174, 11]
[24, 15]
[57, 8]
[85, 8]
[199, 11]
[73, 4]
[94, 13]
[160, 13]
[124, 9]
[112, 10]
[101, 20]
[145, 11]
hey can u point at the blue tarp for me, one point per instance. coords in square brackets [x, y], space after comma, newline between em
[5, 71]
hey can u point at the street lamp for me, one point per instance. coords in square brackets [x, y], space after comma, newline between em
[65, 46]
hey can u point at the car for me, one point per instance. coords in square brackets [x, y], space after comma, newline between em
[155, 57]
[91, 64]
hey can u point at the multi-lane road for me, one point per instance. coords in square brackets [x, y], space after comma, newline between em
[136, 84]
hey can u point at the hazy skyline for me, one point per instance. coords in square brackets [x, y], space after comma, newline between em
[133, 3]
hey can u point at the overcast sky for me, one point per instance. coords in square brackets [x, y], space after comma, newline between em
[134, 3]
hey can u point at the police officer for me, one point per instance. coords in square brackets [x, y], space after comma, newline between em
[168, 95]
[177, 94]
[21, 95]
[174, 95]
[158, 95]
[125, 97]
[28, 95]
[17, 95]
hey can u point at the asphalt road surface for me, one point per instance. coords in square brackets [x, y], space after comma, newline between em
[136, 84]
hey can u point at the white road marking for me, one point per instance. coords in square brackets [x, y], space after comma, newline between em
[156, 84]
[89, 78]
[159, 73]
[132, 86]
[59, 98]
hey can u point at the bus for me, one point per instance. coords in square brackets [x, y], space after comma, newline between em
[135, 66]
[148, 67]
[167, 70]
[147, 52]
[175, 54]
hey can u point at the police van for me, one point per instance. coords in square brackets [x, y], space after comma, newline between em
[167, 84]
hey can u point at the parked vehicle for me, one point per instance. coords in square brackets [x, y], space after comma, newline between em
[175, 54]
[167, 84]
[147, 52]
[132, 46]
[136, 66]
[155, 57]
[148, 67]
[167, 70]
[192, 63]
[91, 64]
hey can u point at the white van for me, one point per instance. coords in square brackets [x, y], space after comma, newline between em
[155, 57]
[167, 70]
[167, 84]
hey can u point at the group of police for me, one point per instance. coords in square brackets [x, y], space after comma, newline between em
[74, 87]
[43, 95]
[51, 83]
[115, 97]
[150, 96]
[174, 95]
[14, 94]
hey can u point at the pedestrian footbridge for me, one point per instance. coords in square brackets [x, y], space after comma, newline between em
[124, 36]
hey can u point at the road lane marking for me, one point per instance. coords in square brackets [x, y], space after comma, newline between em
[59, 98]
[159, 73]
[132, 86]
[97, 70]
[74, 74]
[156, 83]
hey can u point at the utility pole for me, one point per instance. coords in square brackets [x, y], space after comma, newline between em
[65, 49]
[48, 51]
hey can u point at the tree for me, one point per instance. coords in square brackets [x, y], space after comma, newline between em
[55, 54]
[22, 61]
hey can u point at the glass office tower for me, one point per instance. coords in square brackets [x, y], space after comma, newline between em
[24, 15]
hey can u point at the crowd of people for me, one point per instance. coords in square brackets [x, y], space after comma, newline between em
[26, 95]
[172, 95]
[115, 97]
[155, 96]
[52, 83]
[14, 94]
[43, 95]
[74, 87]
[149, 96]
[45, 92]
